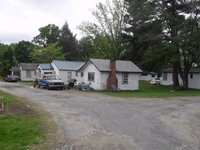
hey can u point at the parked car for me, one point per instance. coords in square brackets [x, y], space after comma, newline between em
[50, 82]
[11, 78]
[155, 81]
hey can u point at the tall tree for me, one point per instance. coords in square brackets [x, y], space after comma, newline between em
[22, 51]
[142, 32]
[171, 16]
[48, 34]
[68, 43]
[188, 40]
[108, 28]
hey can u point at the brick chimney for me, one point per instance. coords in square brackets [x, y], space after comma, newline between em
[112, 79]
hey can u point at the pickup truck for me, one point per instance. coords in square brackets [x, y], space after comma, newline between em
[50, 82]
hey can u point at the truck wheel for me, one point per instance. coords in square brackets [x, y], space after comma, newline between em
[47, 86]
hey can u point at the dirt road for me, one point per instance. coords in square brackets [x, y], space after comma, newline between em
[90, 121]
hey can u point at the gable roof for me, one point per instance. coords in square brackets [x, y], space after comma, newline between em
[28, 66]
[192, 70]
[121, 65]
[68, 65]
[46, 66]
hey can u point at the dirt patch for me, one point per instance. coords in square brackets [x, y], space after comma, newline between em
[21, 109]
[16, 108]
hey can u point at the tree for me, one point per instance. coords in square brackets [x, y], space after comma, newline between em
[7, 60]
[108, 28]
[188, 41]
[86, 48]
[143, 34]
[48, 34]
[171, 17]
[68, 43]
[22, 51]
[47, 54]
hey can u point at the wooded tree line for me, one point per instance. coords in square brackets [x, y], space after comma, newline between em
[154, 34]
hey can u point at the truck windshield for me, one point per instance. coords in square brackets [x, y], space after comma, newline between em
[52, 78]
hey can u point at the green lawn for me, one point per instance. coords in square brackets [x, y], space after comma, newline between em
[154, 91]
[22, 131]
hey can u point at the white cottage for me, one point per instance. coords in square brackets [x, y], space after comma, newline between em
[66, 70]
[193, 78]
[98, 73]
[43, 69]
[148, 76]
[27, 71]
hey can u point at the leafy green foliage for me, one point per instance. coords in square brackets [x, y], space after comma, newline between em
[7, 59]
[48, 54]
[48, 34]
[22, 51]
[163, 31]
[107, 31]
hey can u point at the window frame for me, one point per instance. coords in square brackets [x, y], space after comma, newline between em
[91, 76]
[125, 78]
[28, 73]
[165, 76]
[69, 75]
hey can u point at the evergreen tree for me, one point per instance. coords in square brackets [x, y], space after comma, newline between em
[68, 44]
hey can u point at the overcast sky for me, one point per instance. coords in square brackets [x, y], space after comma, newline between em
[21, 19]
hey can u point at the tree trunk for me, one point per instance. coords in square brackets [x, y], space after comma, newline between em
[175, 75]
[185, 81]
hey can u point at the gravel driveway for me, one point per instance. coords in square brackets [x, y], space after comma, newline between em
[90, 121]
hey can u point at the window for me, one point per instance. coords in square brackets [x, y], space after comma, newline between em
[124, 78]
[69, 75]
[153, 75]
[144, 74]
[91, 76]
[76, 74]
[28, 73]
[81, 74]
[165, 76]
[191, 76]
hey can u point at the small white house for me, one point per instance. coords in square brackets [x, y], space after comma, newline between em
[96, 72]
[27, 71]
[193, 78]
[66, 70]
[148, 76]
[167, 78]
[43, 69]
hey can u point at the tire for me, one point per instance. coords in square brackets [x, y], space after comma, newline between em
[47, 86]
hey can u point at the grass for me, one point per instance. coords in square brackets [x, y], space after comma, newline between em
[19, 132]
[154, 91]
[22, 132]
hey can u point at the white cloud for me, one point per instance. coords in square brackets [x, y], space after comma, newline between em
[21, 19]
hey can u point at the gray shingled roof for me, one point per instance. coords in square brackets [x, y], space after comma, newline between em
[192, 70]
[68, 65]
[28, 66]
[121, 65]
[46, 66]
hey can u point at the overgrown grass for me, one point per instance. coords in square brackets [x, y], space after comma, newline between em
[154, 91]
[22, 132]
